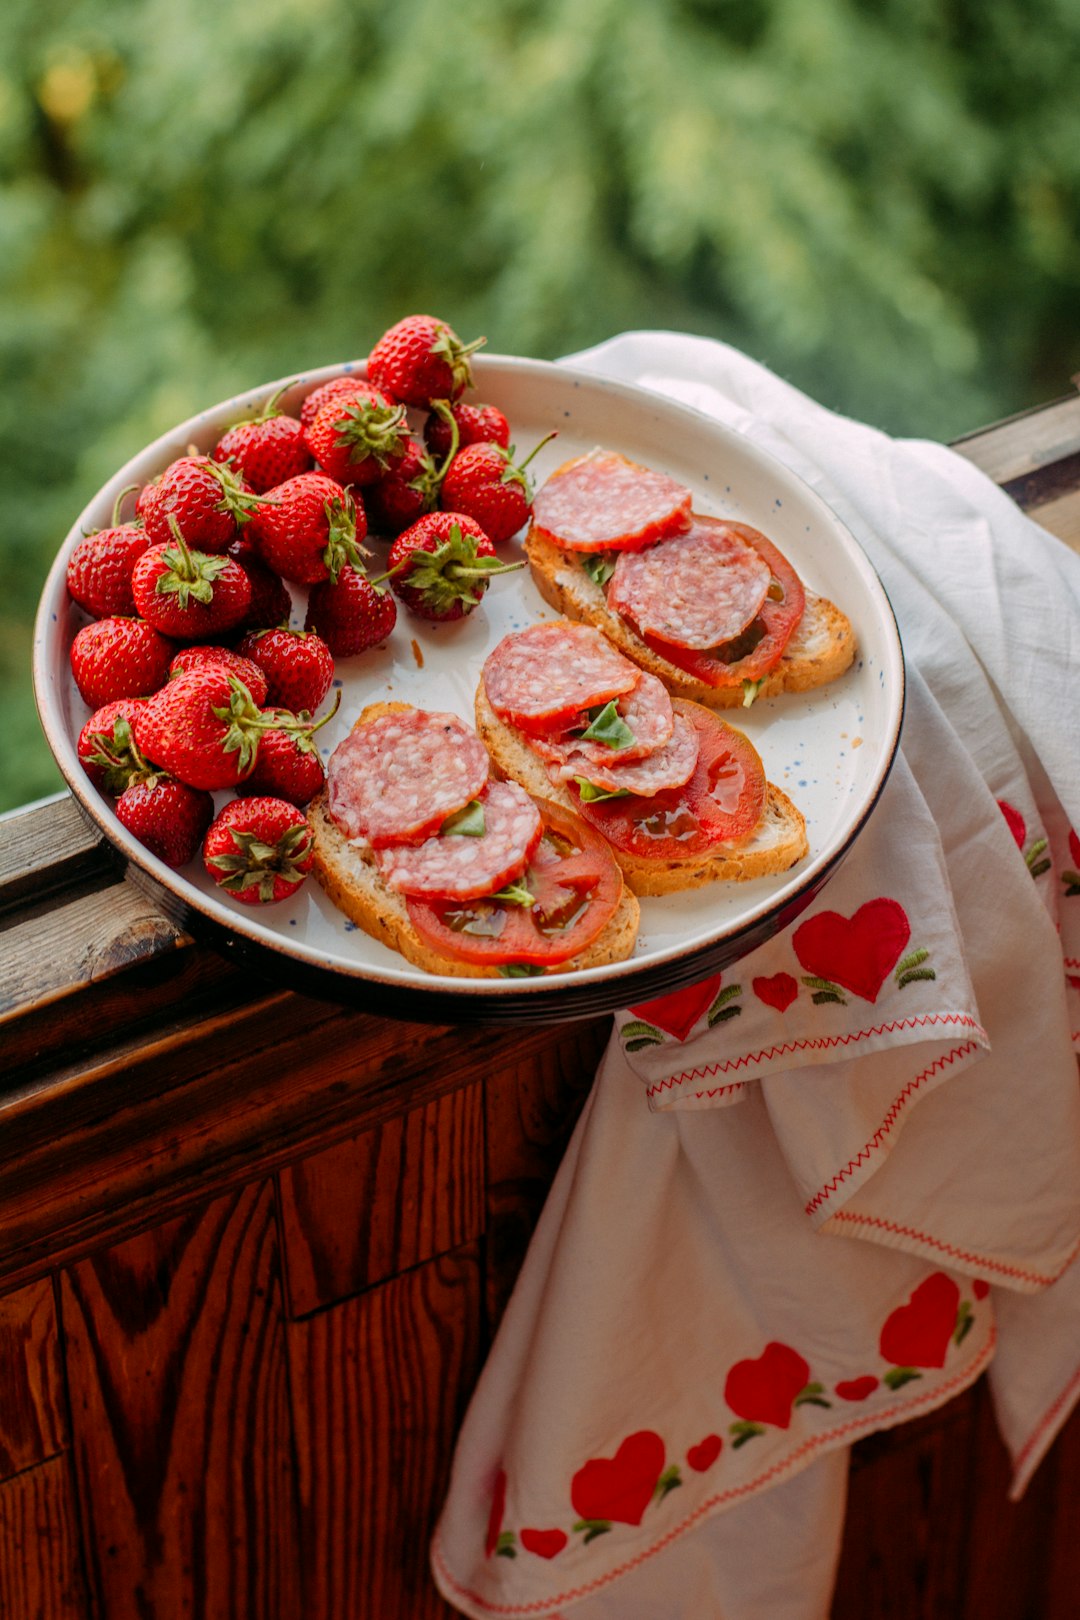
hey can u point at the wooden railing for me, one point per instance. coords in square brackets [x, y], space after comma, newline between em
[253, 1246]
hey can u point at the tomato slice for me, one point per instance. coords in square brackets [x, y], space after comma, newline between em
[722, 802]
[761, 645]
[576, 888]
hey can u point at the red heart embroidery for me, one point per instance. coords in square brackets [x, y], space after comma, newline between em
[705, 1453]
[764, 1390]
[1015, 821]
[779, 991]
[498, 1508]
[620, 1487]
[857, 952]
[545, 1543]
[857, 1389]
[678, 1013]
[980, 1288]
[1074, 846]
[918, 1333]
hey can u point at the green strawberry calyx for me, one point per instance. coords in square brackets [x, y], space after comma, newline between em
[190, 575]
[300, 727]
[240, 503]
[255, 863]
[449, 347]
[453, 572]
[245, 723]
[368, 430]
[514, 472]
[116, 753]
[342, 546]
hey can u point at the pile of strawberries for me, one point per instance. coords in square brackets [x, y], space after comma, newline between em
[196, 680]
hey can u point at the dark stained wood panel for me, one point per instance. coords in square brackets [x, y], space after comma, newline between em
[531, 1107]
[379, 1203]
[32, 1425]
[40, 1577]
[379, 1387]
[50, 847]
[177, 1369]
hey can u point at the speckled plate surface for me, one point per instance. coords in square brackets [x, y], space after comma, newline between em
[830, 750]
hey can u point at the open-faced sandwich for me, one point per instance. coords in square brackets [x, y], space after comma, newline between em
[711, 607]
[462, 874]
[679, 795]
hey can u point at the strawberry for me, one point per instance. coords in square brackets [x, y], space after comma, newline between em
[350, 613]
[106, 746]
[288, 764]
[203, 728]
[270, 599]
[476, 424]
[259, 850]
[484, 482]
[313, 528]
[266, 449]
[404, 494]
[99, 568]
[167, 816]
[189, 594]
[420, 360]
[359, 438]
[338, 388]
[441, 566]
[244, 669]
[118, 657]
[208, 501]
[298, 667]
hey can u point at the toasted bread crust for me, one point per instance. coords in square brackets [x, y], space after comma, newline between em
[354, 884]
[778, 842]
[821, 649]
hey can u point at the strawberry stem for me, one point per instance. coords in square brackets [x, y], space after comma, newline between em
[119, 501]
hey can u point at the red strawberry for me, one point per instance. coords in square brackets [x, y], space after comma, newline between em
[270, 599]
[203, 728]
[476, 424]
[259, 850]
[441, 566]
[420, 360]
[359, 438]
[337, 388]
[245, 669]
[267, 448]
[406, 493]
[208, 501]
[99, 568]
[312, 530]
[106, 746]
[350, 613]
[483, 482]
[190, 595]
[115, 658]
[288, 765]
[298, 666]
[167, 816]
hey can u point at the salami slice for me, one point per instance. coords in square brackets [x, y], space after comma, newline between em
[397, 778]
[602, 502]
[457, 866]
[698, 589]
[541, 678]
[646, 710]
[669, 767]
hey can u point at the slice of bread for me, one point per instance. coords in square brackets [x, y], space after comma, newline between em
[777, 843]
[355, 885]
[821, 649]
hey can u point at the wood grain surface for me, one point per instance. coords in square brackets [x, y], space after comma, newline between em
[33, 1425]
[40, 1574]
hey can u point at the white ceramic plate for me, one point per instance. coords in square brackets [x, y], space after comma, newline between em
[830, 750]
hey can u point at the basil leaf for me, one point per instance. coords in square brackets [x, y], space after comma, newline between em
[608, 726]
[466, 823]
[590, 793]
[521, 970]
[599, 566]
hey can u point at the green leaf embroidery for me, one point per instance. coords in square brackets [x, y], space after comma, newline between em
[897, 1377]
[913, 960]
[1032, 855]
[819, 997]
[638, 1026]
[722, 1014]
[814, 983]
[813, 1395]
[504, 1547]
[914, 975]
[1071, 881]
[965, 1321]
[640, 1041]
[465, 823]
[669, 1481]
[743, 1431]
[1039, 868]
[592, 1528]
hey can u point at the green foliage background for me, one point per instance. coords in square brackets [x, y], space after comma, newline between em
[878, 198]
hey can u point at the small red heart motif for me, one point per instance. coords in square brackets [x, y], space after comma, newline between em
[620, 1488]
[1074, 847]
[857, 1389]
[678, 1013]
[779, 991]
[917, 1334]
[498, 1508]
[545, 1543]
[857, 952]
[1015, 821]
[980, 1288]
[764, 1390]
[705, 1453]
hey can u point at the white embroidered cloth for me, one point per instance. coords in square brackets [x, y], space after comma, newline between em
[818, 1194]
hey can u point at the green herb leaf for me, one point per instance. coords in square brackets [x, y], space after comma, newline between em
[521, 970]
[465, 823]
[589, 793]
[750, 690]
[514, 894]
[608, 726]
[599, 566]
